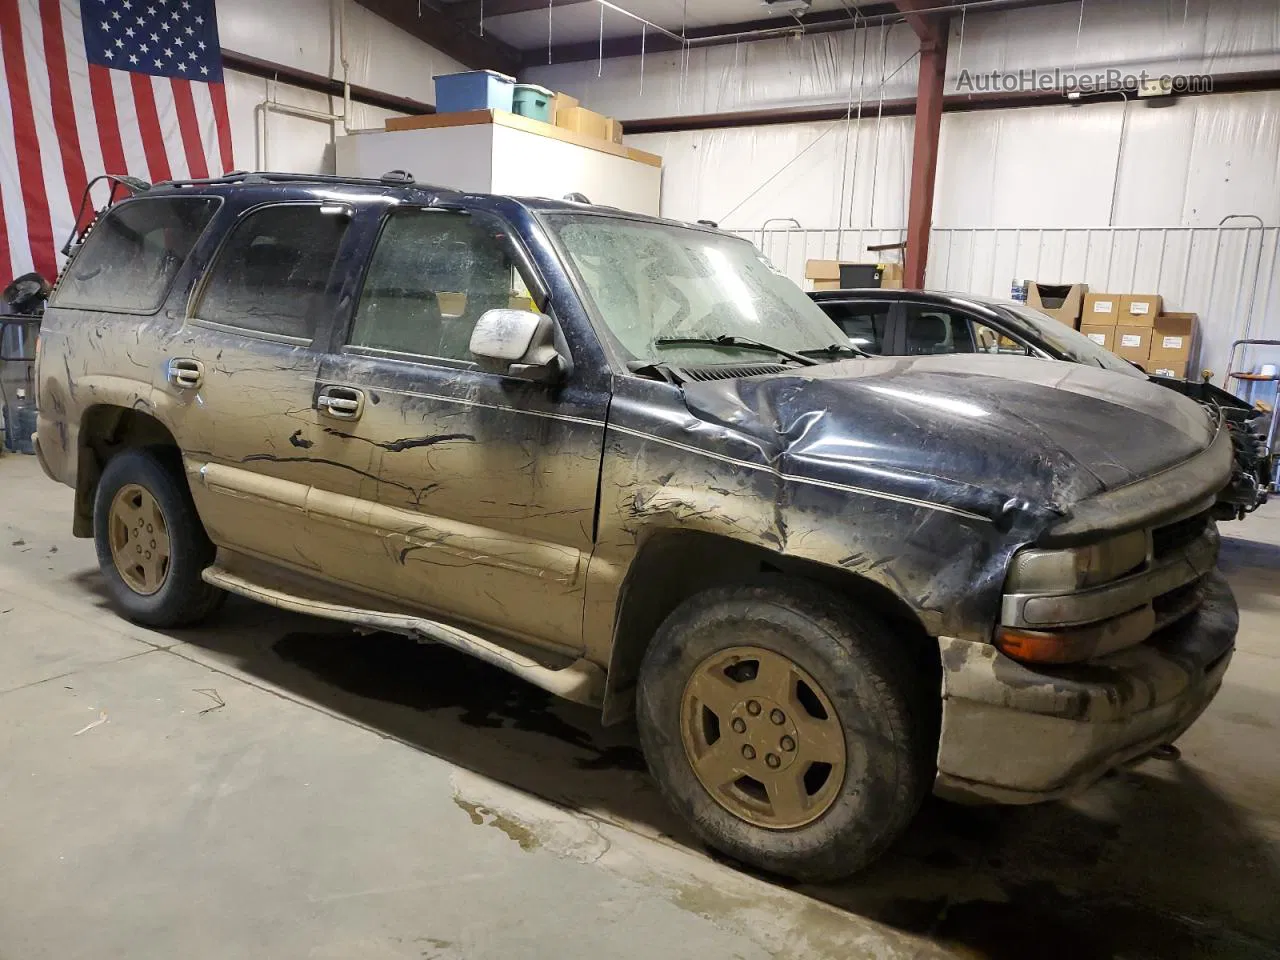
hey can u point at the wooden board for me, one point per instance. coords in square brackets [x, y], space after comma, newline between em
[469, 118]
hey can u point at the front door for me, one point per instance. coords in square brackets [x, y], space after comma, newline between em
[485, 503]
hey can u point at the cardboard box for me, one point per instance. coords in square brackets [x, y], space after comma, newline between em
[584, 121]
[1178, 371]
[1101, 309]
[1103, 334]
[561, 102]
[1063, 302]
[1173, 336]
[843, 275]
[1140, 309]
[1133, 343]
[615, 129]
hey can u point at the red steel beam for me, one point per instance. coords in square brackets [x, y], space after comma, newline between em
[933, 34]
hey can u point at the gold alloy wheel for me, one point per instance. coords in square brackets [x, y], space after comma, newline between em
[762, 737]
[139, 539]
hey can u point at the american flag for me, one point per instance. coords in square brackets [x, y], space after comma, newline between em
[100, 86]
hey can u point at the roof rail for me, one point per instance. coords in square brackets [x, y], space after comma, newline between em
[266, 176]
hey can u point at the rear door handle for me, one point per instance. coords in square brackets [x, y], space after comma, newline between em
[185, 373]
[341, 403]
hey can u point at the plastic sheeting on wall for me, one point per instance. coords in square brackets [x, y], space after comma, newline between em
[1158, 36]
[1186, 164]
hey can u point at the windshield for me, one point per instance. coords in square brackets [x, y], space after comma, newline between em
[655, 282]
[1072, 344]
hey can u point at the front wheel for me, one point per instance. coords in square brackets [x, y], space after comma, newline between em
[150, 542]
[788, 729]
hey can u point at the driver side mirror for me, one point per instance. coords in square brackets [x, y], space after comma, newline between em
[523, 344]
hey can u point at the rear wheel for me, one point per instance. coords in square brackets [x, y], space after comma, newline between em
[787, 728]
[151, 545]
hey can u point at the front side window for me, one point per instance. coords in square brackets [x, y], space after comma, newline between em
[432, 275]
[272, 274]
[654, 282]
[132, 256]
[932, 330]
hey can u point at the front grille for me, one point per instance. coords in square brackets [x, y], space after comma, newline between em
[1169, 539]
[734, 371]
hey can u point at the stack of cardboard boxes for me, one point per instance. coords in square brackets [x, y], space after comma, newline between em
[1134, 326]
[1131, 325]
[568, 114]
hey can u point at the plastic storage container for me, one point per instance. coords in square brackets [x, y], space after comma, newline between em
[532, 101]
[474, 90]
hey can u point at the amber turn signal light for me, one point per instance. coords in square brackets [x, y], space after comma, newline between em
[1034, 646]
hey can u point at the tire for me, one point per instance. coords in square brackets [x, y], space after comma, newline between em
[886, 715]
[163, 594]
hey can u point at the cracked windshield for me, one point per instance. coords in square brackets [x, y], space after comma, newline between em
[655, 282]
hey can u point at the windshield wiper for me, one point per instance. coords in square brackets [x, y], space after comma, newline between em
[836, 349]
[726, 340]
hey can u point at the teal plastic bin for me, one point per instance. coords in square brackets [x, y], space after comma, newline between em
[532, 101]
[474, 90]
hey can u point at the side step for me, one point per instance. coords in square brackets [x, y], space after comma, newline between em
[581, 681]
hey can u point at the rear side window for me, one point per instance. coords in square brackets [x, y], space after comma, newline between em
[273, 271]
[134, 253]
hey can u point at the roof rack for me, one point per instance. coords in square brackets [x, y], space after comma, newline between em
[392, 178]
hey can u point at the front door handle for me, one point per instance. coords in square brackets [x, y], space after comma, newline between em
[341, 403]
[185, 373]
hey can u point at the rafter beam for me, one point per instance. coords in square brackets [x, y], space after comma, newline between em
[457, 39]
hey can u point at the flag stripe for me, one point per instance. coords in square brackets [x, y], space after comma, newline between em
[135, 156]
[170, 132]
[104, 109]
[144, 104]
[218, 94]
[82, 100]
[61, 101]
[189, 127]
[30, 169]
[12, 206]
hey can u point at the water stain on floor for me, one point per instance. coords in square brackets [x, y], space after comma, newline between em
[513, 828]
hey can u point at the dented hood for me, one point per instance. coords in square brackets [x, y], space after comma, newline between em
[972, 431]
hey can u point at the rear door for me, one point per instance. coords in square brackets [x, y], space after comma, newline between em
[484, 507]
[246, 363]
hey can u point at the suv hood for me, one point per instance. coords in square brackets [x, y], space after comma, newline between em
[972, 431]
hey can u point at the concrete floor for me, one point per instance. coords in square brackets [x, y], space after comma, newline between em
[273, 785]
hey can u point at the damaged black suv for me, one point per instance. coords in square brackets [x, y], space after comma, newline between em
[624, 459]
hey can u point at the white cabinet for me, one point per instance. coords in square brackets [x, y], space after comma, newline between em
[488, 151]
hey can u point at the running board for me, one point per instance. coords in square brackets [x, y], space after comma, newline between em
[581, 681]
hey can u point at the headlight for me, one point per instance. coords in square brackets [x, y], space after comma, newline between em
[1058, 571]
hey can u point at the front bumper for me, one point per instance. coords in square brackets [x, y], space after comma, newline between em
[1013, 733]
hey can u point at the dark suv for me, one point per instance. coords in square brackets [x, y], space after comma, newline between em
[624, 459]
